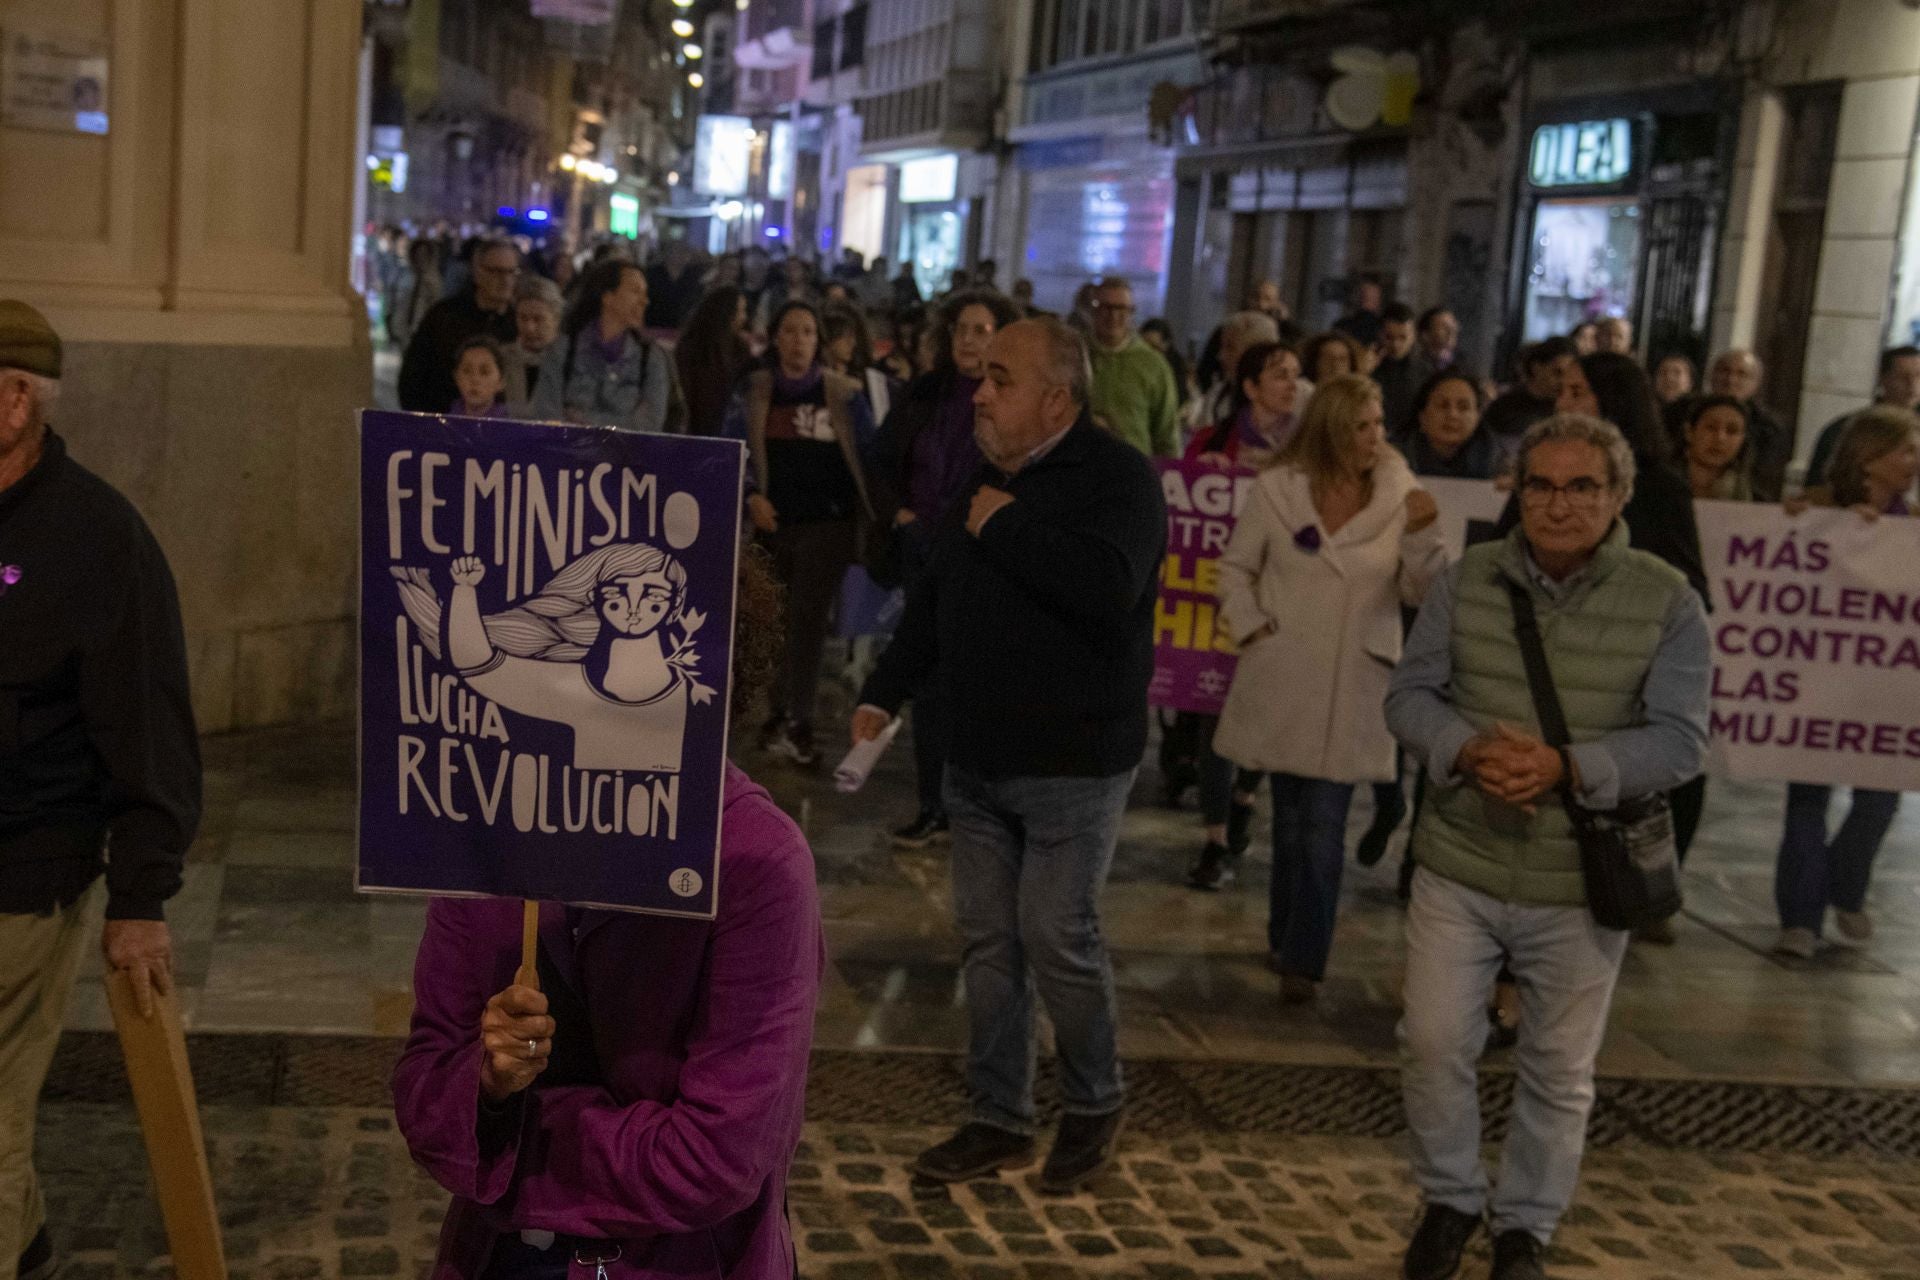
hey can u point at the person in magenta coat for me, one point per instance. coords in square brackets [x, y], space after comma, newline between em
[636, 1116]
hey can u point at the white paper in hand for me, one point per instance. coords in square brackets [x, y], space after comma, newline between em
[852, 772]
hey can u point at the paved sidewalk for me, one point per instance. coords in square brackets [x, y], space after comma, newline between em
[269, 909]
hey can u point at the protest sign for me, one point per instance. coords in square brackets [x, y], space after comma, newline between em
[1816, 645]
[1469, 510]
[1193, 659]
[546, 635]
[1816, 638]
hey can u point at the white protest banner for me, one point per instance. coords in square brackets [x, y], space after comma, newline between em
[1816, 639]
[1463, 504]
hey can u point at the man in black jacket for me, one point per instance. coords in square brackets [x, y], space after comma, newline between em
[99, 765]
[426, 370]
[1037, 617]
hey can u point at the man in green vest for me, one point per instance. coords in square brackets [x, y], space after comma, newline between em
[1499, 871]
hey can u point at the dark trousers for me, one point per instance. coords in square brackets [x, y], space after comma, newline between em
[811, 560]
[1815, 872]
[1309, 855]
[1220, 779]
[932, 725]
[1687, 801]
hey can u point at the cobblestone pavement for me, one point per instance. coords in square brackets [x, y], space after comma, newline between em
[1262, 1170]
[314, 1193]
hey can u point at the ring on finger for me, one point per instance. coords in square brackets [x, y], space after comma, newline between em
[533, 1048]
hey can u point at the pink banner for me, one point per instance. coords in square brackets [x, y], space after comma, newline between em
[1192, 658]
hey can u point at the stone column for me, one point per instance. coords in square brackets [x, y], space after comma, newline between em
[195, 261]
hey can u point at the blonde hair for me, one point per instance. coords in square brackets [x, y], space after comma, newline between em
[1327, 428]
[1871, 435]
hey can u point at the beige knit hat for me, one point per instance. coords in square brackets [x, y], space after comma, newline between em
[27, 341]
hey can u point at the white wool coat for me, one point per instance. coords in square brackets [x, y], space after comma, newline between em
[1310, 698]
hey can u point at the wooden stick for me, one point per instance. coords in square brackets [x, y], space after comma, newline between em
[529, 974]
[156, 1053]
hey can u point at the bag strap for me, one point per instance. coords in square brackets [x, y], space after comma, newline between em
[1533, 653]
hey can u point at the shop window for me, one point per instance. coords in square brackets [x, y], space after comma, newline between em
[823, 49]
[1066, 31]
[853, 37]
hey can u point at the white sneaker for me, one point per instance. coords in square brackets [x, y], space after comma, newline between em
[1799, 943]
[1855, 926]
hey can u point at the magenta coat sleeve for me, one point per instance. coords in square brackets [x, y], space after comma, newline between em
[436, 1086]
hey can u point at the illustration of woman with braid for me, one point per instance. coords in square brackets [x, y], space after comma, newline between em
[591, 651]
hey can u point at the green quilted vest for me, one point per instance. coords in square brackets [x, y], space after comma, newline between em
[1600, 639]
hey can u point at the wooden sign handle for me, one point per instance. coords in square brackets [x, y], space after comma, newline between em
[156, 1053]
[529, 973]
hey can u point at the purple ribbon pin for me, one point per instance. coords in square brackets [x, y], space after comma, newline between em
[1308, 539]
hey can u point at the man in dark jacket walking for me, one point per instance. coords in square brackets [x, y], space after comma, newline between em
[426, 370]
[99, 765]
[1037, 617]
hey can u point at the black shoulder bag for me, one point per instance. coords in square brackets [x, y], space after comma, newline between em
[1628, 858]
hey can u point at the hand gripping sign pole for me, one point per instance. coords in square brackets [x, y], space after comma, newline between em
[156, 1052]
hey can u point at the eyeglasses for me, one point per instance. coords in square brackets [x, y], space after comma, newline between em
[1582, 493]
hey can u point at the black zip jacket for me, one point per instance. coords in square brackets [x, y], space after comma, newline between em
[1041, 629]
[99, 763]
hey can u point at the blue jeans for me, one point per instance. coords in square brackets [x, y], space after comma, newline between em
[1813, 873]
[1564, 966]
[1030, 857]
[1309, 853]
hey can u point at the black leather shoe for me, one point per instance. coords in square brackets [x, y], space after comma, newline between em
[1081, 1152]
[974, 1152]
[37, 1262]
[1391, 811]
[1214, 871]
[1518, 1256]
[1438, 1243]
[928, 827]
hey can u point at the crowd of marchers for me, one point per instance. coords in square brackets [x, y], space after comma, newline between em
[967, 481]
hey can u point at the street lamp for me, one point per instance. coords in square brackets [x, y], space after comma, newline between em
[694, 52]
[568, 162]
[695, 79]
[682, 28]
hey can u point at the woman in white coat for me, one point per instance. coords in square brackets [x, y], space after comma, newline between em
[1335, 536]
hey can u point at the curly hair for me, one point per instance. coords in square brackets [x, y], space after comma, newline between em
[1310, 353]
[759, 633]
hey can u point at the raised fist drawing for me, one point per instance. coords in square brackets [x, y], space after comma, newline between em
[467, 571]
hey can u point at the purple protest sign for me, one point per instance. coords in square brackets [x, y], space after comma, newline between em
[546, 637]
[1193, 659]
